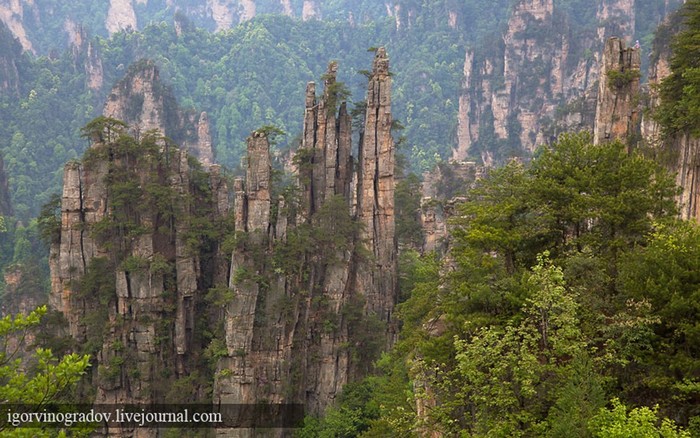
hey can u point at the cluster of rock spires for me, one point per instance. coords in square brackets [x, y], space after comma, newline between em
[296, 338]
[292, 332]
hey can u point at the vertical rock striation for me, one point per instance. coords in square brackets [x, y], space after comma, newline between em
[144, 103]
[541, 79]
[313, 275]
[375, 192]
[678, 152]
[617, 109]
[131, 265]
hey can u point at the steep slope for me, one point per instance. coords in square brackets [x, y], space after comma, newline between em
[677, 147]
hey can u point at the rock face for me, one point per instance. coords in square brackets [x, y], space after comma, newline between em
[120, 16]
[130, 267]
[85, 55]
[5, 204]
[617, 109]
[144, 103]
[679, 152]
[441, 189]
[9, 62]
[540, 80]
[375, 192]
[314, 279]
[12, 14]
[303, 304]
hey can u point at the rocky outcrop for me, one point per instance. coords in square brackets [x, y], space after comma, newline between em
[142, 101]
[135, 254]
[542, 79]
[85, 55]
[12, 15]
[678, 152]
[513, 91]
[441, 190]
[314, 273]
[617, 109]
[120, 16]
[10, 58]
[305, 301]
[5, 203]
[375, 192]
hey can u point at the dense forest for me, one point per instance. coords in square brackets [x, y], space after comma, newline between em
[563, 300]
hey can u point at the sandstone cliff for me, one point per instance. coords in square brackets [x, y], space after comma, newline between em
[677, 152]
[541, 79]
[303, 305]
[144, 103]
[313, 276]
[85, 55]
[617, 106]
[10, 57]
[134, 254]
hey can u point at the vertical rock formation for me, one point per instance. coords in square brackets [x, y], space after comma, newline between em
[12, 15]
[5, 204]
[617, 109]
[540, 81]
[313, 277]
[131, 263]
[144, 103]
[10, 59]
[85, 55]
[512, 91]
[375, 193]
[617, 17]
[441, 189]
[678, 152]
[120, 16]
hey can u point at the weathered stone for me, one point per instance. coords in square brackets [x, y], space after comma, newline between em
[202, 149]
[258, 184]
[376, 193]
[149, 322]
[288, 332]
[144, 103]
[617, 111]
[536, 86]
[5, 204]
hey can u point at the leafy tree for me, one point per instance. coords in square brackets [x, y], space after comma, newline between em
[507, 375]
[665, 353]
[642, 422]
[30, 386]
[680, 91]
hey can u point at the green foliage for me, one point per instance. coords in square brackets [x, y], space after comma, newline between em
[36, 384]
[409, 231]
[618, 79]
[662, 278]
[496, 343]
[49, 220]
[502, 372]
[679, 110]
[271, 132]
[642, 422]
